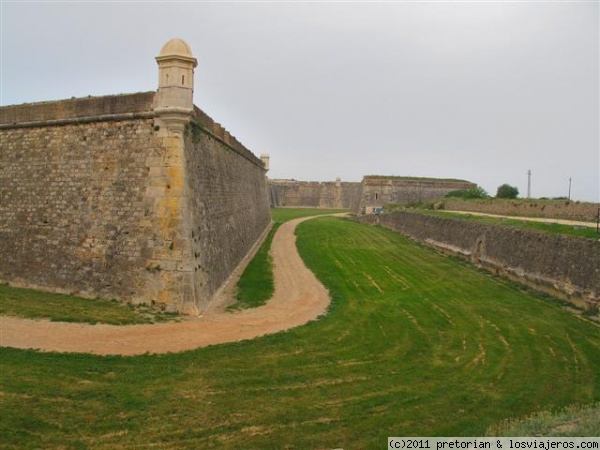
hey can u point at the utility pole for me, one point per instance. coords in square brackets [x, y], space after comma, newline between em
[529, 183]
[569, 188]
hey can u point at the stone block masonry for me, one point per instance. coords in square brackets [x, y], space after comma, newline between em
[566, 267]
[362, 198]
[228, 209]
[378, 191]
[139, 197]
[113, 206]
[74, 205]
[328, 194]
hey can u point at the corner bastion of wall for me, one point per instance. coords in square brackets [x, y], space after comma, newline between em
[99, 201]
[378, 191]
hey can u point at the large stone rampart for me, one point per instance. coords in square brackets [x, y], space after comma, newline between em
[228, 205]
[564, 266]
[555, 209]
[77, 209]
[315, 194]
[98, 198]
[377, 191]
[363, 197]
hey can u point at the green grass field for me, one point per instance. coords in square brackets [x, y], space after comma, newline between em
[68, 308]
[255, 286]
[414, 344]
[571, 421]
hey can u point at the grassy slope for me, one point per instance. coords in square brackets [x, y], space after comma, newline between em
[546, 227]
[68, 308]
[255, 285]
[286, 214]
[414, 344]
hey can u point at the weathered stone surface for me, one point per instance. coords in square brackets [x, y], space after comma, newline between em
[363, 197]
[334, 194]
[77, 108]
[116, 207]
[75, 214]
[121, 197]
[228, 206]
[377, 191]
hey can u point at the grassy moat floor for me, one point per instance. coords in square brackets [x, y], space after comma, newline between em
[414, 344]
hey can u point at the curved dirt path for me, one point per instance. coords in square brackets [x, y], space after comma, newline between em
[298, 298]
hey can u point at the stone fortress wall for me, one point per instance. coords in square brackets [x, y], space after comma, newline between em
[128, 196]
[328, 194]
[378, 191]
[228, 202]
[564, 266]
[361, 198]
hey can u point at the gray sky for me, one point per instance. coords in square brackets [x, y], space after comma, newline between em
[477, 90]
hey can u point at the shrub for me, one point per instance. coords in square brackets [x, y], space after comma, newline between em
[477, 192]
[507, 191]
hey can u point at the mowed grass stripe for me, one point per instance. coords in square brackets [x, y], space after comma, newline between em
[255, 286]
[439, 349]
[475, 325]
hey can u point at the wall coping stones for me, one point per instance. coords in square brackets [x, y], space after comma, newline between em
[109, 108]
[79, 120]
[207, 126]
[89, 108]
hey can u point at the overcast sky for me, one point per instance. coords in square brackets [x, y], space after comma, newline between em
[482, 91]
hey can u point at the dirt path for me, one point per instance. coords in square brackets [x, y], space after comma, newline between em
[299, 298]
[529, 219]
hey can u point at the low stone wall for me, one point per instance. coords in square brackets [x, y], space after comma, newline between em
[563, 266]
[555, 209]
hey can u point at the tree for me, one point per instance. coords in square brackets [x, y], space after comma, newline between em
[507, 191]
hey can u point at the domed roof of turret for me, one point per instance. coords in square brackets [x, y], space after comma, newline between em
[177, 48]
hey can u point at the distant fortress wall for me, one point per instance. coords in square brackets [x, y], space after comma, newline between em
[126, 197]
[364, 197]
[378, 191]
[328, 194]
